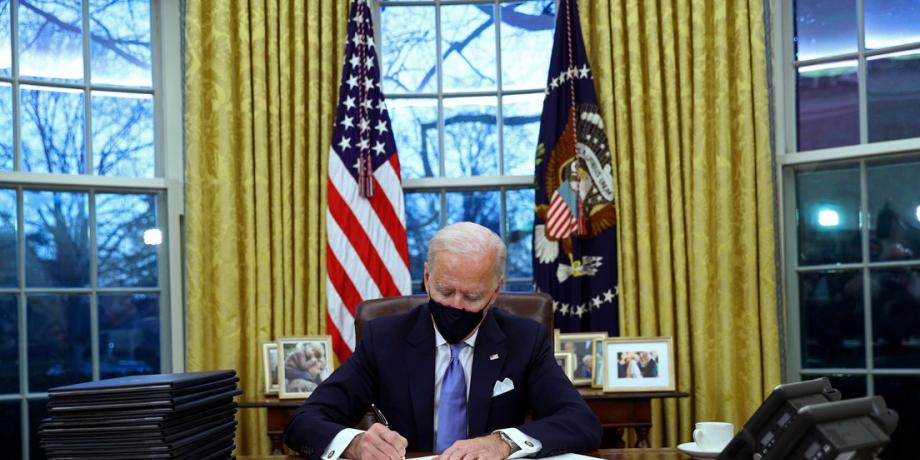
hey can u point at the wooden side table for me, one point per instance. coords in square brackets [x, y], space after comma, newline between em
[616, 412]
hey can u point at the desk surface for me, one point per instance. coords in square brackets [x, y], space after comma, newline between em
[607, 454]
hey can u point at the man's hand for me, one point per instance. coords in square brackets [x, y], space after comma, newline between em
[490, 447]
[377, 443]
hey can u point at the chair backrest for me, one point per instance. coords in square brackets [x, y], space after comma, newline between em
[537, 306]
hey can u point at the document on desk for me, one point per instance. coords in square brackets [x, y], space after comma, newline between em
[554, 457]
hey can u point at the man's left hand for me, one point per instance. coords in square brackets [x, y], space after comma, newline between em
[489, 447]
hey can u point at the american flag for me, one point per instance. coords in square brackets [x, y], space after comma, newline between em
[366, 252]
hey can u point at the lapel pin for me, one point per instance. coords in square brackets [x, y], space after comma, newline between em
[493, 357]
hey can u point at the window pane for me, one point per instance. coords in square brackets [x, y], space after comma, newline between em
[51, 40]
[521, 128]
[832, 319]
[828, 215]
[6, 121]
[9, 344]
[6, 57]
[891, 22]
[850, 386]
[123, 134]
[11, 434]
[894, 210]
[518, 286]
[52, 130]
[59, 340]
[482, 208]
[129, 334]
[470, 143]
[893, 96]
[423, 219]
[415, 128]
[123, 222]
[468, 47]
[519, 239]
[409, 53]
[896, 317]
[57, 239]
[38, 410]
[901, 394]
[827, 105]
[9, 262]
[824, 28]
[120, 42]
[527, 40]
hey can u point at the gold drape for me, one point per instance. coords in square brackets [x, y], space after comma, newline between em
[683, 90]
[261, 87]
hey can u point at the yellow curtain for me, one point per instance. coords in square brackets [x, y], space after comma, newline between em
[261, 87]
[683, 90]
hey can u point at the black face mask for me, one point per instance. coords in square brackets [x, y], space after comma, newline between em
[454, 324]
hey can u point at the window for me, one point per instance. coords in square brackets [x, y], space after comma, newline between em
[850, 161]
[87, 199]
[464, 87]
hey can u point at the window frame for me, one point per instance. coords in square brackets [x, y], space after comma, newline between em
[168, 185]
[442, 184]
[782, 74]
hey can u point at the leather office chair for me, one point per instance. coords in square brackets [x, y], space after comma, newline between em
[537, 306]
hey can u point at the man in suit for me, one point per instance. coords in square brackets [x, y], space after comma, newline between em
[452, 376]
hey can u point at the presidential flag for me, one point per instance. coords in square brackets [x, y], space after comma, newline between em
[574, 241]
[367, 256]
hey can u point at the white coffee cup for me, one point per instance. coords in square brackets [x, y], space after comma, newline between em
[713, 436]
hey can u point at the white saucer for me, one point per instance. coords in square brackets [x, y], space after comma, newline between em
[695, 451]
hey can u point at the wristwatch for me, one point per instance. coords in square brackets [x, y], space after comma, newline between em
[507, 440]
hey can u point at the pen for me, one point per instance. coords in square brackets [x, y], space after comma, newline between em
[379, 415]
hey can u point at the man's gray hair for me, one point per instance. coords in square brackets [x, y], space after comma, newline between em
[468, 238]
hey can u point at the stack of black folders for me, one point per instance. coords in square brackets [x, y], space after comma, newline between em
[163, 416]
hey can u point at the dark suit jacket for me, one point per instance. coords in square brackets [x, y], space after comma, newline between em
[393, 366]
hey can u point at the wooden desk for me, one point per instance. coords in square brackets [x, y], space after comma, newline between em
[607, 454]
[616, 411]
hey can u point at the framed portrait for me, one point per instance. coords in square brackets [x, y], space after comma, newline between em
[270, 367]
[582, 345]
[639, 364]
[304, 362]
[598, 381]
[566, 361]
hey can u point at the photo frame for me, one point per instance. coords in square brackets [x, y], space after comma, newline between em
[598, 381]
[556, 334]
[270, 367]
[582, 345]
[639, 364]
[303, 363]
[566, 361]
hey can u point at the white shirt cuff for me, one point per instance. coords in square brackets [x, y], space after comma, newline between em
[339, 443]
[527, 444]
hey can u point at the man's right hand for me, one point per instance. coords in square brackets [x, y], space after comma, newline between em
[377, 443]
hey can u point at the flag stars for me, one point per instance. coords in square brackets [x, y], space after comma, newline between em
[369, 84]
[352, 81]
[369, 62]
[349, 102]
[364, 124]
[580, 310]
[345, 143]
[364, 144]
[583, 71]
[354, 61]
[367, 104]
[358, 19]
[609, 295]
[358, 39]
[381, 127]
[379, 148]
[348, 122]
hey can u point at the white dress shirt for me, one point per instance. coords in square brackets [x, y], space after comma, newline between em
[528, 445]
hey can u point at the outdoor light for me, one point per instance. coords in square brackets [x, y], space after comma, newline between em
[153, 236]
[828, 218]
[918, 212]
